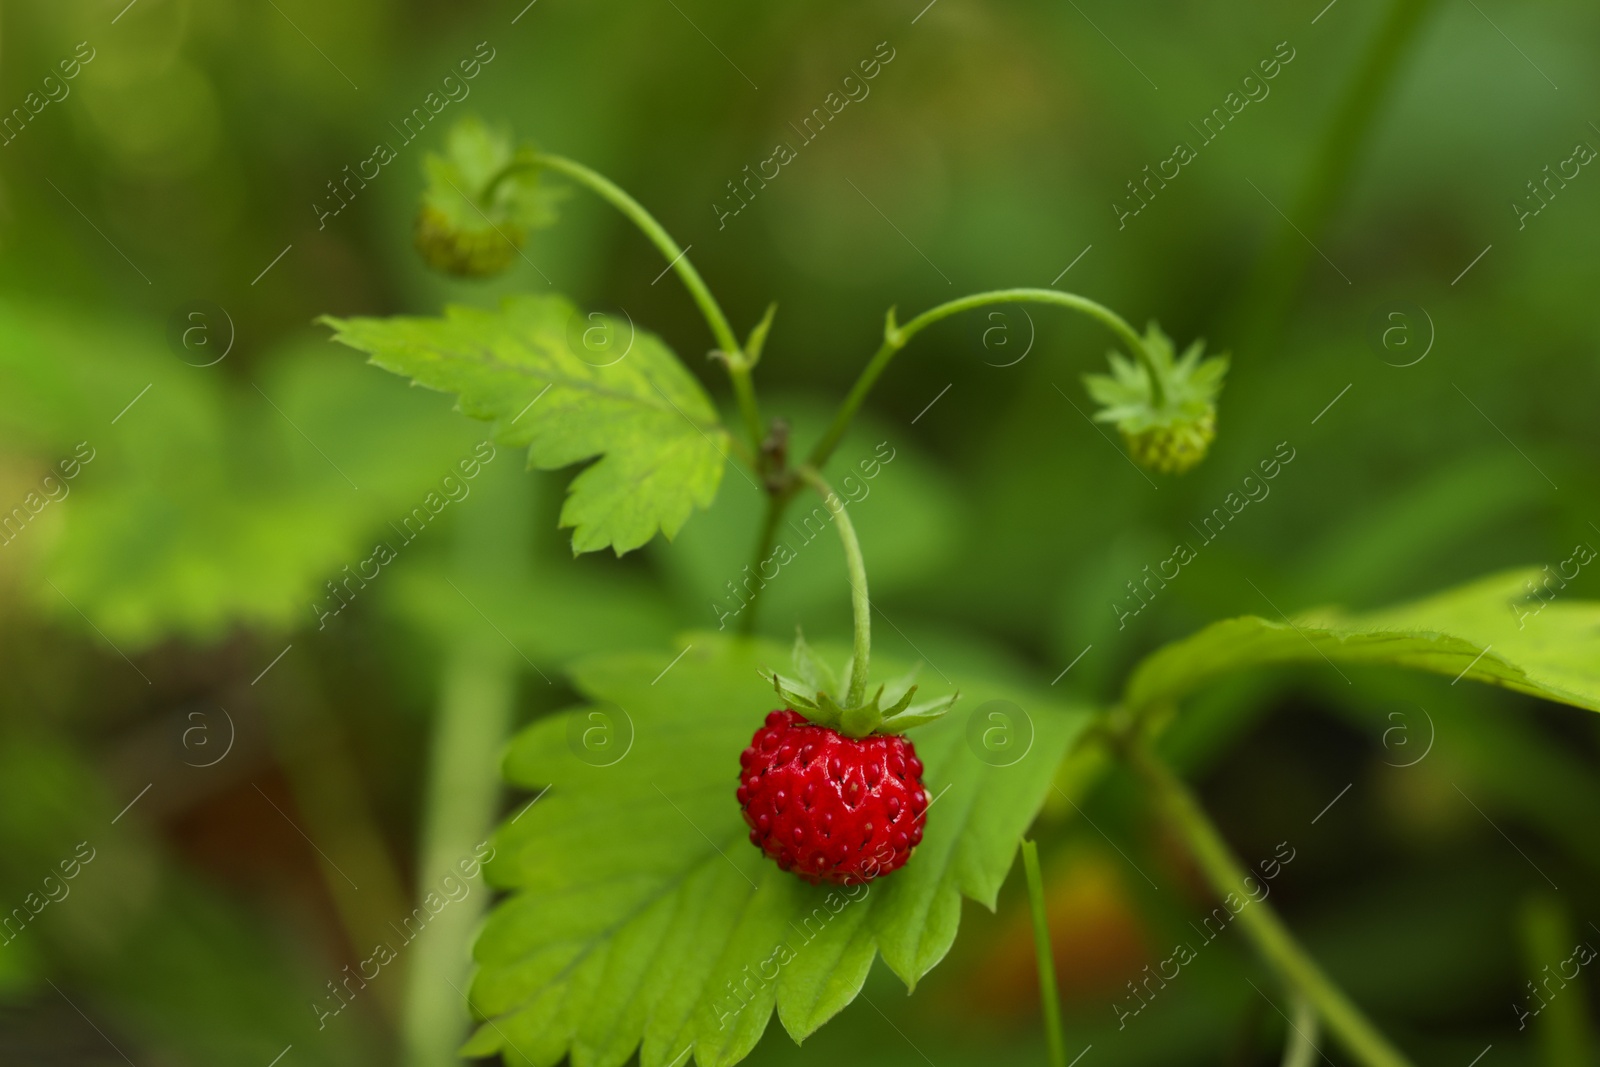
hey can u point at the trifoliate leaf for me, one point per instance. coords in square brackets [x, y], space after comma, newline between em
[482, 198]
[1515, 630]
[526, 370]
[639, 912]
[1172, 436]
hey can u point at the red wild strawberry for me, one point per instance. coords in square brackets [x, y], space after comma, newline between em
[828, 807]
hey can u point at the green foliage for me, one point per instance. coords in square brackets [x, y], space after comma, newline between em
[637, 902]
[220, 514]
[1493, 630]
[551, 615]
[524, 369]
[207, 504]
[482, 198]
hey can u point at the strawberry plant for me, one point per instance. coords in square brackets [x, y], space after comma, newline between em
[725, 838]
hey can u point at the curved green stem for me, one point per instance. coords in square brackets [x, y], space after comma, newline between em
[896, 337]
[1259, 922]
[732, 353]
[860, 606]
[1044, 955]
[520, 165]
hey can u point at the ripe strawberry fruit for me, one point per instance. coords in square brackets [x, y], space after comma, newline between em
[828, 807]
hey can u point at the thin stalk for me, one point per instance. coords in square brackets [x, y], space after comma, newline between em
[1562, 1028]
[733, 354]
[1044, 954]
[1259, 922]
[1300, 1048]
[475, 708]
[476, 704]
[861, 606]
[896, 337]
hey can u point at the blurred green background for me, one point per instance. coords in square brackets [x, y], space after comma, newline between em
[184, 167]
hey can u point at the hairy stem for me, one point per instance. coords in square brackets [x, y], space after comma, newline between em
[1044, 954]
[732, 353]
[861, 607]
[896, 337]
[1259, 922]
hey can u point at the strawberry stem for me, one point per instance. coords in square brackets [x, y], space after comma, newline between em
[1044, 954]
[860, 605]
[896, 337]
[734, 358]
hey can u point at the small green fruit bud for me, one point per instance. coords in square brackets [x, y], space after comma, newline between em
[1165, 408]
[482, 198]
[450, 248]
[1175, 448]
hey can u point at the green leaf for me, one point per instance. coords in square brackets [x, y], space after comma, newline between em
[639, 906]
[1494, 630]
[526, 369]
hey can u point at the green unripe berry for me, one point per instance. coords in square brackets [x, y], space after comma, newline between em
[468, 253]
[1164, 406]
[1175, 448]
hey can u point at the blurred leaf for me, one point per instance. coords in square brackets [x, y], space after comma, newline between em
[640, 410]
[206, 505]
[1492, 630]
[551, 616]
[639, 907]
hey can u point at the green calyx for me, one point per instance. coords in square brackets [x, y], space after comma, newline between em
[888, 710]
[1172, 435]
[482, 198]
